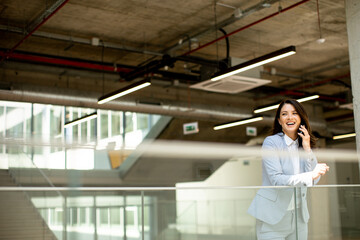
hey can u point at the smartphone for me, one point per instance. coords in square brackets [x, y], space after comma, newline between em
[299, 131]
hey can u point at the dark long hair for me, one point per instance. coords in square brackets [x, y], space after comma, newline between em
[303, 116]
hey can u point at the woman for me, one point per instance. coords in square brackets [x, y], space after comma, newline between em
[275, 209]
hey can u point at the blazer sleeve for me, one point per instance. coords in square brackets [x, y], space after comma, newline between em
[273, 167]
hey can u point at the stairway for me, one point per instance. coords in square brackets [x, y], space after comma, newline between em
[19, 219]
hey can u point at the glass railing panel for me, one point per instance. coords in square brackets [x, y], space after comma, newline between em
[202, 213]
[182, 213]
[334, 212]
[20, 219]
[160, 220]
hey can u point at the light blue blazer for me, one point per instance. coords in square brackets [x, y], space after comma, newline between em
[270, 204]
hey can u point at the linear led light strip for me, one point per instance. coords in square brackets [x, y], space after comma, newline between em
[80, 120]
[121, 93]
[257, 62]
[260, 110]
[237, 123]
[344, 136]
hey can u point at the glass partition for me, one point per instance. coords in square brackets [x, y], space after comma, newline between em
[38, 131]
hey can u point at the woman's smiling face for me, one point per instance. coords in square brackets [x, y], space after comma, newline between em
[289, 120]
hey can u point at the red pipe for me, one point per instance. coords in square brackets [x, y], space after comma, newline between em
[26, 57]
[32, 31]
[245, 27]
[322, 81]
[300, 94]
[333, 99]
[289, 92]
[65, 62]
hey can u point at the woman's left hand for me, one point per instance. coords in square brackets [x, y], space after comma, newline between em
[305, 138]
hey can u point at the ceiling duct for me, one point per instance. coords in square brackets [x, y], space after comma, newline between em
[201, 112]
[236, 83]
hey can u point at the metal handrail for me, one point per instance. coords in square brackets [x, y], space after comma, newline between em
[64, 189]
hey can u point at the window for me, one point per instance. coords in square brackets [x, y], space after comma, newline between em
[75, 128]
[142, 121]
[58, 216]
[93, 123]
[104, 216]
[104, 123]
[55, 121]
[83, 127]
[115, 216]
[116, 123]
[130, 216]
[82, 215]
[129, 122]
[74, 216]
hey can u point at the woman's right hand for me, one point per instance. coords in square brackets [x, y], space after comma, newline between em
[320, 169]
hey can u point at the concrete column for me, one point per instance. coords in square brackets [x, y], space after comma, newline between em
[353, 22]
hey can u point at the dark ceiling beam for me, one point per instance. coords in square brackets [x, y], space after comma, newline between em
[149, 68]
[302, 86]
[292, 93]
[343, 117]
[187, 78]
[198, 60]
[332, 98]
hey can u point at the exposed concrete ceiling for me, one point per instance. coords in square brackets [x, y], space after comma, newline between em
[58, 64]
